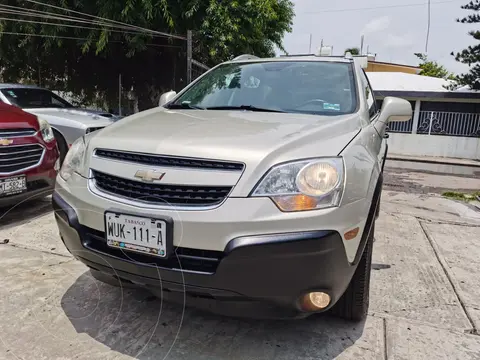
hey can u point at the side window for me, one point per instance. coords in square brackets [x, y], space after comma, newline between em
[56, 102]
[372, 105]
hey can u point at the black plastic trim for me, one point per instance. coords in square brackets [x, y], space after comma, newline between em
[65, 211]
[257, 240]
[170, 161]
[385, 157]
[370, 219]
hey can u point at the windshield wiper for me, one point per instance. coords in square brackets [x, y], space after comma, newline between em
[244, 107]
[184, 105]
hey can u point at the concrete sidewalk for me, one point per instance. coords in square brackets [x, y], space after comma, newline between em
[434, 160]
[425, 301]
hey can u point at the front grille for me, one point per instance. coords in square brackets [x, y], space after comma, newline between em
[205, 261]
[159, 160]
[183, 195]
[19, 157]
[6, 133]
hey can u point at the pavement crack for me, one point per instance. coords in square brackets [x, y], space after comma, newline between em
[443, 264]
[385, 347]
[42, 251]
[62, 262]
[446, 222]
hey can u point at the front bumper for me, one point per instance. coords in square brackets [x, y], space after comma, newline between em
[270, 271]
[213, 229]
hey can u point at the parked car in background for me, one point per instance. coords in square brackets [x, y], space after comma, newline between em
[67, 121]
[29, 158]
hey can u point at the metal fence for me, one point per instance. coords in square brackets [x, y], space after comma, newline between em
[401, 127]
[449, 123]
[198, 69]
[440, 123]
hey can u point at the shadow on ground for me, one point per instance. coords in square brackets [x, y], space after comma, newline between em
[26, 211]
[134, 323]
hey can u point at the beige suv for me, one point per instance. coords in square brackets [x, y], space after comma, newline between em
[254, 191]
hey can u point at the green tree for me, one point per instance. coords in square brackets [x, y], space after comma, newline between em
[88, 60]
[352, 50]
[433, 68]
[471, 55]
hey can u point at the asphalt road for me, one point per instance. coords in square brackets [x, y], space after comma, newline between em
[425, 297]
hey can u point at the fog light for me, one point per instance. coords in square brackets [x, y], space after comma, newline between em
[315, 301]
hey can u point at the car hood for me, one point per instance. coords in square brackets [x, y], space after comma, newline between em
[12, 117]
[244, 136]
[87, 118]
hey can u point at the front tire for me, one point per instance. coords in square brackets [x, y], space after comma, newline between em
[353, 305]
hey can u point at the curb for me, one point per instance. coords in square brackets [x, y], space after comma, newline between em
[440, 162]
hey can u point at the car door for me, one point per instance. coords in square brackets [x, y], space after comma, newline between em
[379, 142]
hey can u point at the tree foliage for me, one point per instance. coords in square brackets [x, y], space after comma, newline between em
[88, 60]
[471, 55]
[353, 51]
[433, 68]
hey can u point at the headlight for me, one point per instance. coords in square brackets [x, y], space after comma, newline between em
[304, 185]
[74, 159]
[45, 130]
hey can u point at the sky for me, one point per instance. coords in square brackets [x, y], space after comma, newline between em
[394, 29]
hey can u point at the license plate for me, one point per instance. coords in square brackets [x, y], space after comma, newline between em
[13, 185]
[135, 233]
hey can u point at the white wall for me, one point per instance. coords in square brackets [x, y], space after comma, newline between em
[434, 145]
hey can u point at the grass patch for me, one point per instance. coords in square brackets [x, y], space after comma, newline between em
[461, 196]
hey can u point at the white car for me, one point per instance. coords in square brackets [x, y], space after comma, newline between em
[254, 191]
[67, 121]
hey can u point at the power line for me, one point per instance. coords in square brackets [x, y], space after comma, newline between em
[42, 35]
[107, 20]
[378, 7]
[76, 38]
[73, 26]
[46, 15]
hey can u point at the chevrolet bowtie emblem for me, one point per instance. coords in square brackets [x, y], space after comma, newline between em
[149, 175]
[4, 142]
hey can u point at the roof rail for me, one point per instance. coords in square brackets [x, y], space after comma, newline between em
[246, 57]
[316, 55]
[295, 55]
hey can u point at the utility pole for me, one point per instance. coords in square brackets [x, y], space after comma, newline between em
[310, 46]
[189, 56]
[119, 94]
[361, 45]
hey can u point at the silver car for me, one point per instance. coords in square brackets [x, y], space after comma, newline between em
[68, 122]
[254, 191]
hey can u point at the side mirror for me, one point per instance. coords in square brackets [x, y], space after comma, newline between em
[166, 97]
[395, 110]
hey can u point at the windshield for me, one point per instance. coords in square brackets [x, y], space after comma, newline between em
[312, 87]
[28, 98]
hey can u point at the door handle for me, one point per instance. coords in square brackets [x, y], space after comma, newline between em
[386, 136]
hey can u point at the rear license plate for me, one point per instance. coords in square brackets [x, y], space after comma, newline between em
[13, 185]
[135, 233]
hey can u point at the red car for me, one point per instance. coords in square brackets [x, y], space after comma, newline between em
[28, 156]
